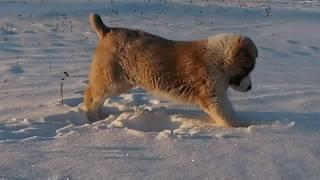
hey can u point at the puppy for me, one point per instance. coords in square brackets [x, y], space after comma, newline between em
[196, 72]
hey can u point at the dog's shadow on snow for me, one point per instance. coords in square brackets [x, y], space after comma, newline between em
[156, 120]
[160, 119]
[44, 128]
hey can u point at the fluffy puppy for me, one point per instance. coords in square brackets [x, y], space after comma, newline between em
[197, 72]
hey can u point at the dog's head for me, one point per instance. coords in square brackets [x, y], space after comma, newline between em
[239, 58]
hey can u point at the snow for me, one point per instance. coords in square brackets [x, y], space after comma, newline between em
[143, 136]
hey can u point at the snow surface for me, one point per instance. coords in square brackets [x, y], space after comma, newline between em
[144, 136]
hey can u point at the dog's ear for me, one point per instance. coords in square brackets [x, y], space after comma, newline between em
[243, 51]
[98, 25]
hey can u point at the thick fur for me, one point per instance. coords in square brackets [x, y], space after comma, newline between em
[197, 72]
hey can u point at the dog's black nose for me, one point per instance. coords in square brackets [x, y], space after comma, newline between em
[249, 87]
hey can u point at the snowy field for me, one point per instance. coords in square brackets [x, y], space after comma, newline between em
[147, 137]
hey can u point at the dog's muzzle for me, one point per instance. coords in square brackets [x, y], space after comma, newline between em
[244, 86]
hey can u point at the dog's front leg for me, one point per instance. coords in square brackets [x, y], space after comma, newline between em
[221, 111]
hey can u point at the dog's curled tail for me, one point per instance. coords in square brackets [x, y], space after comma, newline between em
[98, 25]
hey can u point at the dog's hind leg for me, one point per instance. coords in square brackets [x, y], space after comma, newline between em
[106, 80]
[95, 97]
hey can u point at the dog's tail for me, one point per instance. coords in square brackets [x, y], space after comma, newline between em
[98, 25]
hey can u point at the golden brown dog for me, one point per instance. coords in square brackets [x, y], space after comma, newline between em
[197, 72]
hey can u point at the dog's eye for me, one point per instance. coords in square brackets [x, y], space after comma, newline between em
[247, 70]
